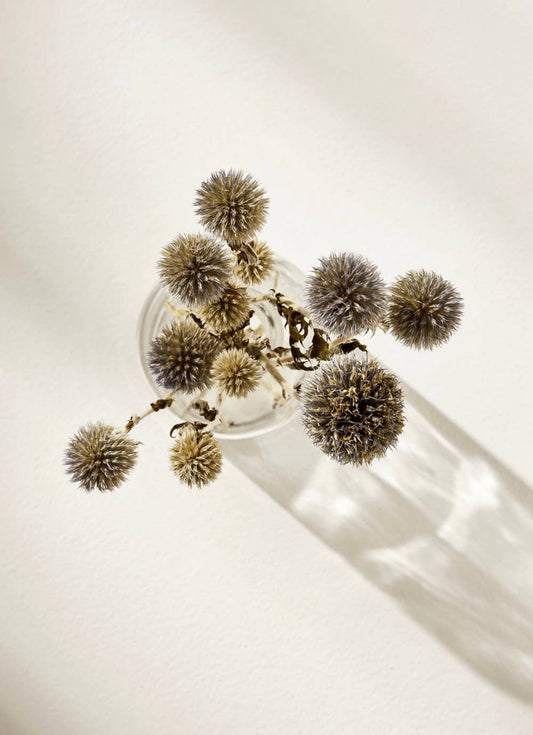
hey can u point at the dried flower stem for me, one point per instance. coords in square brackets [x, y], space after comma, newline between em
[287, 388]
[154, 407]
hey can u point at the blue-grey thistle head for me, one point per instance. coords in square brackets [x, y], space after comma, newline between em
[352, 410]
[346, 294]
[232, 205]
[196, 457]
[424, 309]
[195, 269]
[181, 357]
[100, 456]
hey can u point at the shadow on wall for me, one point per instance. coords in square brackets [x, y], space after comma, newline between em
[439, 524]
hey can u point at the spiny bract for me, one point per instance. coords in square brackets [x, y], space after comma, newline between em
[232, 205]
[346, 294]
[100, 456]
[196, 457]
[255, 261]
[181, 357]
[352, 410]
[236, 372]
[229, 311]
[424, 309]
[195, 269]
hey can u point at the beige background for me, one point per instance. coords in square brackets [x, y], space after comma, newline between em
[401, 130]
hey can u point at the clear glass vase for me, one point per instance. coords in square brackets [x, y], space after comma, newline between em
[265, 409]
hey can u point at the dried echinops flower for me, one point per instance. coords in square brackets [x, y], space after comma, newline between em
[100, 456]
[255, 261]
[229, 311]
[181, 357]
[231, 205]
[196, 457]
[236, 373]
[352, 410]
[346, 294]
[424, 309]
[195, 269]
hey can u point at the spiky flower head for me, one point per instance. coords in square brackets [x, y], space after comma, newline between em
[424, 309]
[100, 456]
[232, 205]
[352, 410]
[229, 311]
[236, 372]
[196, 457]
[346, 294]
[195, 269]
[181, 357]
[255, 261]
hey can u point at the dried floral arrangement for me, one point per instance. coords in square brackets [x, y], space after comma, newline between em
[351, 407]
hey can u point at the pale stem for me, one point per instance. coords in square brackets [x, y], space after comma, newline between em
[134, 420]
[269, 366]
[175, 309]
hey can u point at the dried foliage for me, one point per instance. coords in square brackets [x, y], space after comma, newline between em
[232, 205]
[100, 456]
[346, 294]
[195, 269]
[181, 357]
[229, 311]
[236, 373]
[195, 457]
[352, 410]
[424, 309]
[255, 261]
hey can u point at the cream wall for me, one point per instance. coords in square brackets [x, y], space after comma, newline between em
[401, 130]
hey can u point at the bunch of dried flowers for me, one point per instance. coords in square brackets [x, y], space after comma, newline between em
[351, 407]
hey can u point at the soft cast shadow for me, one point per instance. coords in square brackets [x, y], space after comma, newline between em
[439, 524]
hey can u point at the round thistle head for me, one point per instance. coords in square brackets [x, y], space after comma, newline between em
[196, 457]
[424, 309]
[195, 269]
[230, 310]
[255, 261]
[100, 456]
[181, 357]
[352, 410]
[232, 205]
[236, 372]
[346, 294]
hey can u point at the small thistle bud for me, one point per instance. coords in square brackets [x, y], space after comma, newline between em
[232, 205]
[195, 269]
[100, 456]
[424, 309]
[196, 457]
[346, 294]
[181, 357]
[236, 372]
[352, 410]
[229, 311]
[255, 261]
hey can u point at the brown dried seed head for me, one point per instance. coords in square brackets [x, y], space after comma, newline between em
[346, 294]
[195, 269]
[352, 410]
[424, 309]
[232, 205]
[195, 457]
[229, 311]
[181, 357]
[100, 456]
[255, 261]
[236, 373]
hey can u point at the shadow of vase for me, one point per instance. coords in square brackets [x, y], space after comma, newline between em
[439, 524]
